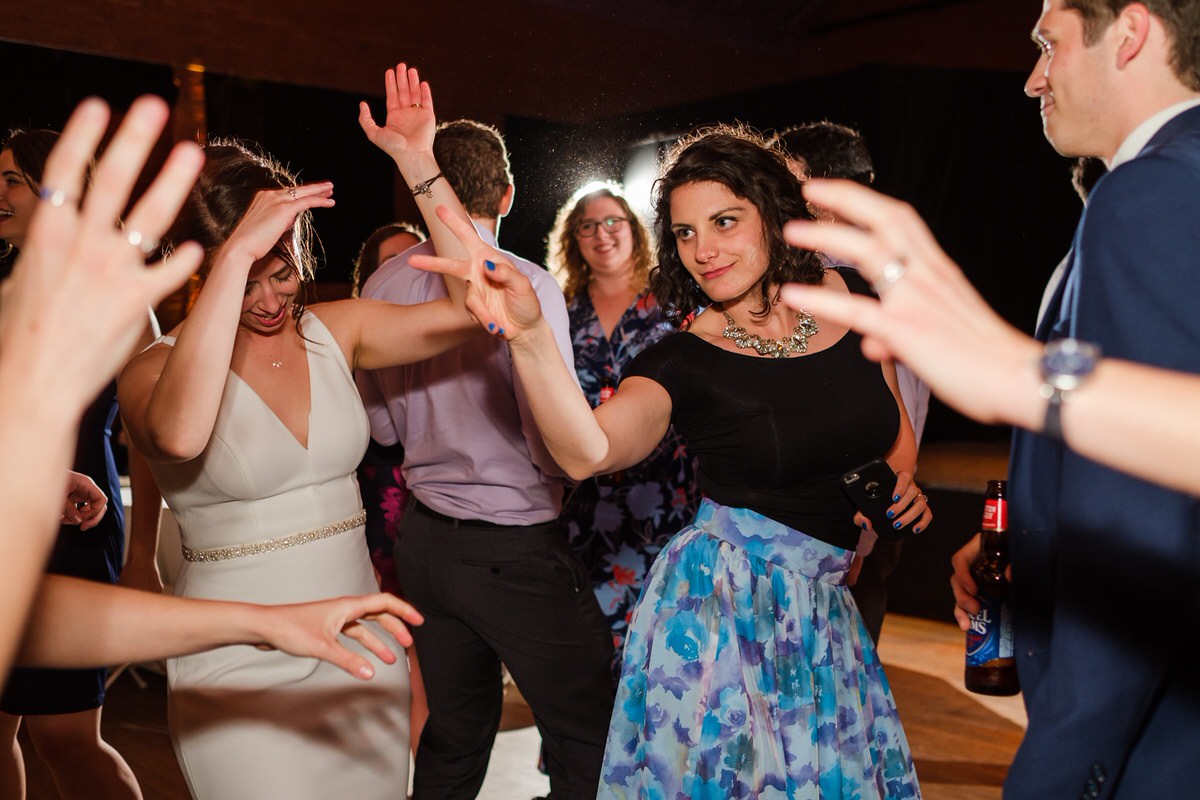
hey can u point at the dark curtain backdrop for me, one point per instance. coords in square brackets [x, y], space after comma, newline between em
[964, 147]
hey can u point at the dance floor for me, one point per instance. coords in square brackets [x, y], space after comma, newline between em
[962, 743]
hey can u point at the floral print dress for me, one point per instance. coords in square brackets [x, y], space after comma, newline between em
[618, 524]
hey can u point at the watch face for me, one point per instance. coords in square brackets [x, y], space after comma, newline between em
[1066, 362]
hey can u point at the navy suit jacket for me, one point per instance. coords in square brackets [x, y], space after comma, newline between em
[1106, 568]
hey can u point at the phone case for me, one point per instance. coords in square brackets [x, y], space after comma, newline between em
[871, 488]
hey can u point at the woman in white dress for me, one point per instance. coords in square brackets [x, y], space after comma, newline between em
[250, 417]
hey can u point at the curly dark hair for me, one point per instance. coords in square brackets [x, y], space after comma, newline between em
[739, 158]
[234, 172]
[564, 258]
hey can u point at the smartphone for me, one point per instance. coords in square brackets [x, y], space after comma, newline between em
[871, 488]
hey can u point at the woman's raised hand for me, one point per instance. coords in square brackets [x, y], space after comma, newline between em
[410, 122]
[498, 296]
[271, 214]
[76, 258]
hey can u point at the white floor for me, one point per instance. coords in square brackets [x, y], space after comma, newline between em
[512, 773]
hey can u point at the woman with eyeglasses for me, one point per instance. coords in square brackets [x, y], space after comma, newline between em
[617, 523]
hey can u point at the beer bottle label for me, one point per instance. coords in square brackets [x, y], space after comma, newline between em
[995, 514]
[990, 635]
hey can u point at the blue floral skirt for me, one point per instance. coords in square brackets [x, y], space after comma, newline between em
[748, 673]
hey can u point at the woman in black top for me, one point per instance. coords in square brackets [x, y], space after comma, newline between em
[747, 667]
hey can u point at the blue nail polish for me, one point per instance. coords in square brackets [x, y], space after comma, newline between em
[895, 498]
[864, 526]
[891, 513]
[489, 265]
[491, 326]
[500, 332]
[897, 525]
[916, 530]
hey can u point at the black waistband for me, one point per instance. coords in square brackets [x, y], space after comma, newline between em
[420, 507]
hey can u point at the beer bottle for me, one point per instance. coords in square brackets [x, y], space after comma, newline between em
[607, 390]
[991, 663]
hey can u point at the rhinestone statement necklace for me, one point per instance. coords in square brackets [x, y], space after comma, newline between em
[797, 342]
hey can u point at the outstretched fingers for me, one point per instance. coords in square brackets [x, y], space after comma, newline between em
[66, 166]
[124, 159]
[854, 311]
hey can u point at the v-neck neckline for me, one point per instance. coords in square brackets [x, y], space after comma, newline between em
[304, 445]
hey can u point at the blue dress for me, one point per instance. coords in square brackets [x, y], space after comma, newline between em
[617, 525]
[95, 554]
[747, 671]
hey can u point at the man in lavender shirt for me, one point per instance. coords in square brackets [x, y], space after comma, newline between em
[480, 551]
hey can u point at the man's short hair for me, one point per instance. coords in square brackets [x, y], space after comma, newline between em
[474, 160]
[1181, 18]
[829, 150]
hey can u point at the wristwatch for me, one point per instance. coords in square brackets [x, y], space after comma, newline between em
[1065, 365]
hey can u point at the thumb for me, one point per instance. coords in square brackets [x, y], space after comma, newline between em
[365, 120]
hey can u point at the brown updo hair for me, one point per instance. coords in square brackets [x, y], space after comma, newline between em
[234, 172]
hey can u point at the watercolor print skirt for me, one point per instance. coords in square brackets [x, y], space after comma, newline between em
[748, 674]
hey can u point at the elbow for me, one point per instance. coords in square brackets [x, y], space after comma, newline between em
[579, 472]
[589, 464]
[173, 448]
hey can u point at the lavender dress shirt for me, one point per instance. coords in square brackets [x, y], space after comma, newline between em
[471, 448]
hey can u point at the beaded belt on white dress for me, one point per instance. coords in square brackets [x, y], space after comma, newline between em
[270, 545]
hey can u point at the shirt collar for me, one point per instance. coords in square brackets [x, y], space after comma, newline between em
[485, 233]
[1143, 133]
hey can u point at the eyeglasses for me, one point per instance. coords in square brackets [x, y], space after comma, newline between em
[610, 225]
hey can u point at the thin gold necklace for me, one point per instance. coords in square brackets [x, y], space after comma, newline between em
[796, 342]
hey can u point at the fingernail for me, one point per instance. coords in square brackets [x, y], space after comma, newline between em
[365, 672]
[491, 326]
[895, 498]
[489, 265]
[897, 525]
[500, 332]
[890, 513]
[864, 526]
[916, 530]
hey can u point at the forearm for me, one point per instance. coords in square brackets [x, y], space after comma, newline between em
[77, 623]
[183, 405]
[418, 168]
[141, 560]
[1138, 419]
[903, 455]
[566, 421]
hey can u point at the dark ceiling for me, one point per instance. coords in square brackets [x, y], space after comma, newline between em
[566, 60]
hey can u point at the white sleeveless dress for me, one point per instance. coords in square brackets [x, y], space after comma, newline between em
[252, 724]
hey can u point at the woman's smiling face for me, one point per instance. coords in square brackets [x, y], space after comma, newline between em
[18, 200]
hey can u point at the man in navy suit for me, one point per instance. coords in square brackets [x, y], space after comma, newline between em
[1106, 568]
